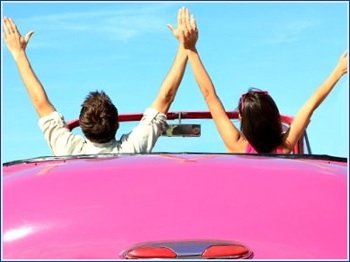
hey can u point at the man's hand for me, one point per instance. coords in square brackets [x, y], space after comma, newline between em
[186, 31]
[15, 42]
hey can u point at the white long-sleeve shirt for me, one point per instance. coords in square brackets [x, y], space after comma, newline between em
[141, 139]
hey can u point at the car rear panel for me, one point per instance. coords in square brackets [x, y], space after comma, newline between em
[96, 208]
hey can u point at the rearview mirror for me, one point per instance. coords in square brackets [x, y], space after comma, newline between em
[184, 130]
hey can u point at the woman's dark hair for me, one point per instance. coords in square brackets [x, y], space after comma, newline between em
[98, 118]
[260, 120]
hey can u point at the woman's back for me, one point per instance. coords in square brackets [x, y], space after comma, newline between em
[251, 150]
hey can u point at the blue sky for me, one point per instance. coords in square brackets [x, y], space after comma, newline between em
[125, 49]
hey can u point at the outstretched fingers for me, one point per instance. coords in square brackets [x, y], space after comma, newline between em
[183, 18]
[186, 31]
[13, 39]
[10, 26]
[188, 21]
[180, 18]
[193, 23]
[7, 27]
[177, 32]
[10, 29]
[189, 30]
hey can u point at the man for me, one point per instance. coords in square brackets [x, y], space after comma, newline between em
[98, 115]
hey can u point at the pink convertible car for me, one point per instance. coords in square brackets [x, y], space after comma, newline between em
[177, 205]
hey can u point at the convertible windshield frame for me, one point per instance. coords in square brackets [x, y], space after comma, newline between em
[302, 147]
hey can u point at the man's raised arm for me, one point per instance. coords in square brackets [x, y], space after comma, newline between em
[17, 45]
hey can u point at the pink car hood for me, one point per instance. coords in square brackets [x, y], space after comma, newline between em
[95, 208]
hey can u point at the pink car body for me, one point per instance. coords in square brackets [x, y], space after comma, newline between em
[176, 205]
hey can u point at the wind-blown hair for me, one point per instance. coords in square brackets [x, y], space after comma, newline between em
[98, 118]
[260, 120]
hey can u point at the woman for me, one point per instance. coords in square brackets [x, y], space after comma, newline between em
[261, 128]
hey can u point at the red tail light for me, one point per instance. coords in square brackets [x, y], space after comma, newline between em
[229, 251]
[150, 252]
[189, 249]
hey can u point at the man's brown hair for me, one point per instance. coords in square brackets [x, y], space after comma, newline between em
[98, 118]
